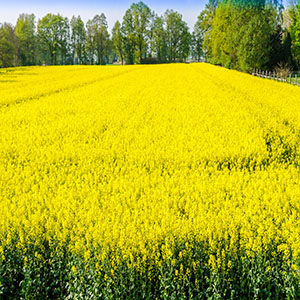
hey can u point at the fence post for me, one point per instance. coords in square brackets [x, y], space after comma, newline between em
[290, 78]
[296, 82]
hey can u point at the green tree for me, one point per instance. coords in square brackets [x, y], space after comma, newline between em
[198, 38]
[136, 30]
[112, 54]
[98, 39]
[185, 42]
[90, 45]
[279, 48]
[295, 31]
[159, 39]
[102, 39]
[243, 34]
[129, 39]
[254, 40]
[142, 19]
[177, 36]
[222, 41]
[117, 40]
[7, 46]
[204, 26]
[53, 31]
[78, 39]
[26, 39]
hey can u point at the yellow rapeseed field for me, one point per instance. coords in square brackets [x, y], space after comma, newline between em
[142, 166]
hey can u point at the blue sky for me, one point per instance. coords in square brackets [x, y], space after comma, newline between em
[114, 9]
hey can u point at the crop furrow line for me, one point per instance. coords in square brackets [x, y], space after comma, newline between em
[72, 87]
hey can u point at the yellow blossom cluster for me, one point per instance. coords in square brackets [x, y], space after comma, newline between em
[131, 159]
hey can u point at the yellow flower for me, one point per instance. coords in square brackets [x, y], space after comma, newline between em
[125, 164]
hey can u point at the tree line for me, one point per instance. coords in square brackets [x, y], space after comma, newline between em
[247, 34]
[142, 37]
[239, 34]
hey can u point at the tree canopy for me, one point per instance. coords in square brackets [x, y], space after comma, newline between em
[239, 34]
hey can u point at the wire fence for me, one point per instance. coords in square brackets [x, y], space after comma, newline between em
[291, 78]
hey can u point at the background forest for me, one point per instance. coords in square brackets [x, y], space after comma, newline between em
[237, 34]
